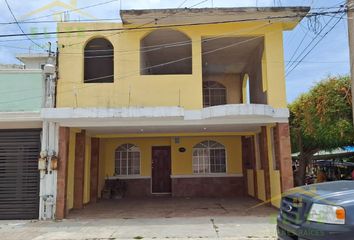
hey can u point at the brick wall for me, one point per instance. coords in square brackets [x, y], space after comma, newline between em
[208, 187]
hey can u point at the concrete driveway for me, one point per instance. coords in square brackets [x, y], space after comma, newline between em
[166, 218]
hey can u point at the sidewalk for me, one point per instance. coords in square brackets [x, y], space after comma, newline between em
[158, 228]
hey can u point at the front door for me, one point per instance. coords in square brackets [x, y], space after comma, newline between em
[161, 170]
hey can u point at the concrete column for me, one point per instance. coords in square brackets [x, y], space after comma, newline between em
[254, 166]
[79, 174]
[283, 154]
[64, 139]
[249, 161]
[94, 169]
[245, 162]
[48, 176]
[263, 142]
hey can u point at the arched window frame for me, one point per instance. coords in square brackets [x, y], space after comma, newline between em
[145, 70]
[246, 96]
[209, 90]
[127, 160]
[209, 157]
[99, 56]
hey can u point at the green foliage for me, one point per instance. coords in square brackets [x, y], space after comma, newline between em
[322, 118]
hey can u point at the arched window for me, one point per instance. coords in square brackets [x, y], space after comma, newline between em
[127, 160]
[99, 61]
[166, 51]
[209, 157]
[214, 94]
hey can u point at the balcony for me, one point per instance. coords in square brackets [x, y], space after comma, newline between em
[228, 118]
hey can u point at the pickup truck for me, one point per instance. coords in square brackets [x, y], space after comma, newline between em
[323, 211]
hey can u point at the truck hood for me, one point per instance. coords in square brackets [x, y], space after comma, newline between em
[332, 193]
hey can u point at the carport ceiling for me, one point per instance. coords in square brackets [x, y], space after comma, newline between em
[172, 129]
[228, 54]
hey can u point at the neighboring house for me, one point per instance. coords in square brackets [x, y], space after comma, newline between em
[192, 104]
[35, 61]
[21, 99]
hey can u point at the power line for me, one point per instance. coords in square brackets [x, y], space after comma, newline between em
[19, 26]
[318, 42]
[182, 3]
[185, 15]
[205, 40]
[153, 21]
[168, 26]
[154, 66]
[309, 45]
[151, 48]
[23, 48]
[73, 10]
[66, 21]
[314, 8]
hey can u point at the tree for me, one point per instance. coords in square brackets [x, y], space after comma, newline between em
[321, 120]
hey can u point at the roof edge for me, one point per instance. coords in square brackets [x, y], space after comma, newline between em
[240, 13]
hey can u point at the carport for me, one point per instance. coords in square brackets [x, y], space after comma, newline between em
[168, 207]
[210, 153]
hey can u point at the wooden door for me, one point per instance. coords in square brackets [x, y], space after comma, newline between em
[161, 170]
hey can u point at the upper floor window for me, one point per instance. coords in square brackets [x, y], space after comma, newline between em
[209, 157]
[127, 160]
[99, 61]
[166, 51]
[214, 94]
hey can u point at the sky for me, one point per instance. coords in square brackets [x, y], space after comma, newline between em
[329, 58]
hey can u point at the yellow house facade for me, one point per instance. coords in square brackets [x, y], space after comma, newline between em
[180, 102]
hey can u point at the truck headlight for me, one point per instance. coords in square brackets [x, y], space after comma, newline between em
[326, 214]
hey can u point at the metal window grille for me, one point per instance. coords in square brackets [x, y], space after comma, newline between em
[127, 160]
[209, 157]
[214, 94]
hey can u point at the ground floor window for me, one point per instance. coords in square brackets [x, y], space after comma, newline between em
[127, 160]
[209, 157]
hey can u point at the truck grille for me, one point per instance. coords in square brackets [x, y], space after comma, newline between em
[293, 210]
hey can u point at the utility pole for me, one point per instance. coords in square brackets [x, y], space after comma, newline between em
[350, 8]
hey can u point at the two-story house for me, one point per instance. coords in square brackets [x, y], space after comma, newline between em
[182, 102]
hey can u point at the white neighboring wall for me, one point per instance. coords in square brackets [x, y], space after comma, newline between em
[35, 60]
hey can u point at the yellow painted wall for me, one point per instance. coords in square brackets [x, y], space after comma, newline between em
[261, 185]
[108, 147]
[245, 93]
[132, 89]
[181, 162]
[250, 182]
[275, 73]
[275, 187]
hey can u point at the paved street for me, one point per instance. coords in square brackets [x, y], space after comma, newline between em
[153, 219]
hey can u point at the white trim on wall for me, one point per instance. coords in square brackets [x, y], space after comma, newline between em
[166, 116]
[128, 177]
[211, 175]
[20, 116]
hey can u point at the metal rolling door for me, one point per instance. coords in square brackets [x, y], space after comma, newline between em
[19, 176]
